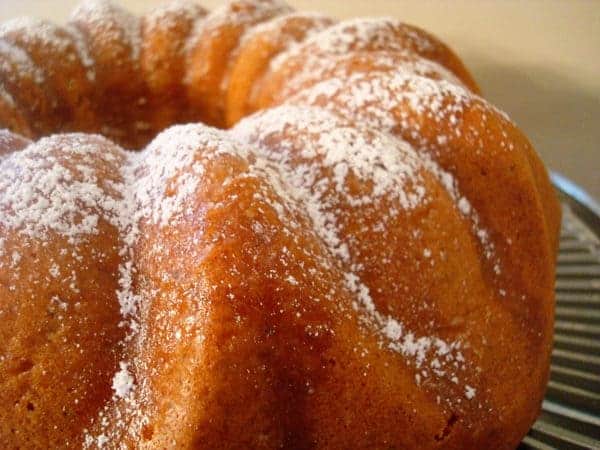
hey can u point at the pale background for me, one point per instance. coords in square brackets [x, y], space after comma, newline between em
[537, 60]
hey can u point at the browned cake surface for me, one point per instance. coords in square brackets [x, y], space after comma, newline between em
[366, 262]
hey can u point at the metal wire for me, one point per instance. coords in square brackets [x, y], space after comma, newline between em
[570, 417]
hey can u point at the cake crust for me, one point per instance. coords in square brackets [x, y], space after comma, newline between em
[361, 255]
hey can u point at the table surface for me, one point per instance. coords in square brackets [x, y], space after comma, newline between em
[537, 60]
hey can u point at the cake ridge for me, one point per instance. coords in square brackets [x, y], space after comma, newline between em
[23, 60]
[96, 13]
[400, 339]
[327, 136]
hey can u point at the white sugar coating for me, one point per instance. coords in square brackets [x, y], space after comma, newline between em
[377, 98]
[169, 153]
[6, 97]
[6, 138]
[129, 301]
[376, 101]
[41, 195]
[464, 206]
[168, 15]
[50, 197]
[314, 23]
[331, 142]
[122, 382]
[360, 34]
[101, 441]
[244, 14]
[470, 392]
[314, 140]
[35, 32]
[56, 300]
[15, 258]
[15, 63]
[83, 51]
[110, 22]
[314, 68]
[54, 270]
[328, 143]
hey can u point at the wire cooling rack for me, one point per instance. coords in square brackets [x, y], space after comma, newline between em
[570, 417]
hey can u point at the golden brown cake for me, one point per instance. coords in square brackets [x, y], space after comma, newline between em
[361, 255]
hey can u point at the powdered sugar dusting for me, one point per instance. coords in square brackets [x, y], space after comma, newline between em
[307, 70]
[241, 14]
[122, 382]
[111, 22]
[359, 34]
[50, 197]
[16, 63]
[343, 149]
[82, 51]
[6, 97]
[316, 141]
[35, 31]
[169, 14]
[470, 392]
[314, 23]
[384, 102]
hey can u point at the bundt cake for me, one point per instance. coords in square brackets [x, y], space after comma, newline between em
[360, 253]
